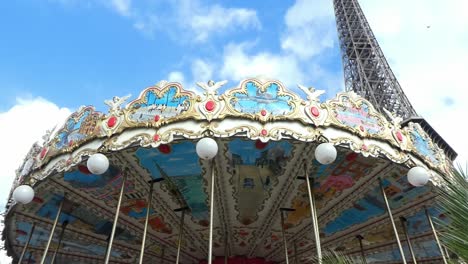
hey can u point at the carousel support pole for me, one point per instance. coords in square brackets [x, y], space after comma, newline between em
[225, 247]
[395, 231]
[29, 259]
[210, 246]
[148, 211]
[163, 250]
[116, 219]
[435, 235]
[363, 256]
[282, 210]
[181, 231]
[295, 252]
[27, 243]
[64, 226]
[313, 213]
[59, 211]
[404, 225]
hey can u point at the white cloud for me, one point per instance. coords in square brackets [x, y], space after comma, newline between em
[191, 20]
[21, 126]
[310, 28]
[176, 76]
[217, 19]
[202, 70]
[239, 64]
[428, 51]
[123, 7]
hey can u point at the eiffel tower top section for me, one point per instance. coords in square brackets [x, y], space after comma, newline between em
[366, 70]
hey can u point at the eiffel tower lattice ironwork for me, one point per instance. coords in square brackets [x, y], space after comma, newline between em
[366, 71]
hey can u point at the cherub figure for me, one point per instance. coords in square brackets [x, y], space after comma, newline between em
[394, 118]
[48, 134]
[211, 87]
[312, 94]
[115, 103]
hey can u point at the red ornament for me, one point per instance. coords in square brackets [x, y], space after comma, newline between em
[37, 199]
[260, 145]
[210, 106]
[112, 121]
[399, 136]
[263, 112]
[165, 149]
[84, 169]
[156, 137]
[364, 147]
[203, 222]
[351, 156]
[361, 128]
[264, 132]
[156, 118]
[21, 232]
[43, 152]
[315, 112]
[70, 143]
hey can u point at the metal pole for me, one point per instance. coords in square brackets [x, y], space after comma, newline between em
[116, 219]
[316, 225]
[389, 211]
[30, 257]
[27, 243]
[404, 225]
[363, 256]
[64, 226]
[225, 247]
[59, 211]
[181, 232]
[148, 212]
[295, 252]
[210, 246]
[284, 238]
[313, 214]
[435, 235]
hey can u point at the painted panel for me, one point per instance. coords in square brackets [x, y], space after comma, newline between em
[256, 168]
[79, 126]
[254, 98]
[69, 243]
[329, 182]
[423, 145]
[399, 193]
[155, 104]
[357, 116]
[179, 165]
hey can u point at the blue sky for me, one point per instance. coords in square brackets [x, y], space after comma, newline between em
[97, 49]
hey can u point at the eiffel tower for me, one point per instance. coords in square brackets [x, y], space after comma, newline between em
[366, 71]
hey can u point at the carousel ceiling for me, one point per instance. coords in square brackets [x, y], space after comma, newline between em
[266, 137]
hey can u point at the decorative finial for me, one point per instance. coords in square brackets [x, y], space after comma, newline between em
[115, 103]
[312, 94]
[395, 119]
[211, 87]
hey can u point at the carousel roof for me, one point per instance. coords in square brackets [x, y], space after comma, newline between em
[266, 136]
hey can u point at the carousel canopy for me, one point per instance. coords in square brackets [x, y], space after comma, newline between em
[266, 138]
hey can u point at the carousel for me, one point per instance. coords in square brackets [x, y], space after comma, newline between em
[258, 174]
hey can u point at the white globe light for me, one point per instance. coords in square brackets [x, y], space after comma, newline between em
[207, 148]
[418, 176]
[325, 153]
[23, 194]
[97, 163]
